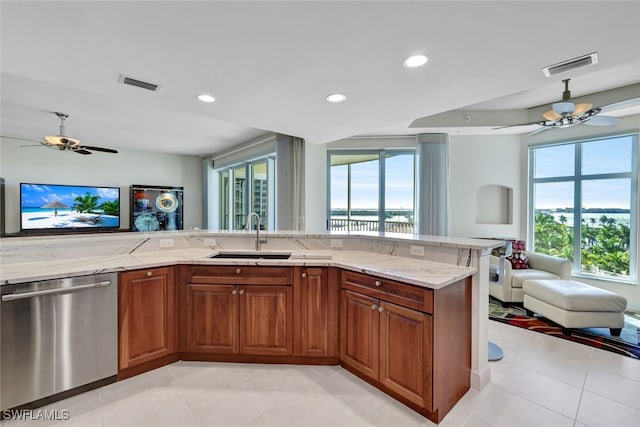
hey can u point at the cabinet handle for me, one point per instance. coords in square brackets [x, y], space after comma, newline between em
[377, 283]
[149, 274]
[304, 275]
[373, 306]
[233, 292]
[238, 271]
[380, 309]
[241, 291]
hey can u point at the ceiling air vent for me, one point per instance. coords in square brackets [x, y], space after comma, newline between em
[571, 64]
[138, 83]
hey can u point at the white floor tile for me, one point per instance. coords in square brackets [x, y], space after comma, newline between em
[503, 409]
[614, 387]
[619, 365]
[542, 381]
[544, 391]
[597, 411]
[157, 407]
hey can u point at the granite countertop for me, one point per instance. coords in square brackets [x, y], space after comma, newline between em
[419, 272]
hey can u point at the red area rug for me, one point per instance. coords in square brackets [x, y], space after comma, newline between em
[627, 344]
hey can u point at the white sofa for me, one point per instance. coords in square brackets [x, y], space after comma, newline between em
[541, 267]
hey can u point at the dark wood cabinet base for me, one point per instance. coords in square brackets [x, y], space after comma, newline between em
[147, 366]
[250, 358]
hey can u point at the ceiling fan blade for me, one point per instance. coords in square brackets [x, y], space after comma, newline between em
[542, 129]
[21, 138]
[102, 149]
[582, 108]
[81, 151]
[541, 123]
[602, 121]
[552, 116]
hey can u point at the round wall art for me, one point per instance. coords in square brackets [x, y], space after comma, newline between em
[167, 202]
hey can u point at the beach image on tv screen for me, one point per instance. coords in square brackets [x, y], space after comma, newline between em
[46, 206]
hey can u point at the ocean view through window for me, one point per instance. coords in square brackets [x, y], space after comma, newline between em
[584, 204]
[371, 191]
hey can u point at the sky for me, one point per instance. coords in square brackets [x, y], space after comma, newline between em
[598, 157]
[37, 195]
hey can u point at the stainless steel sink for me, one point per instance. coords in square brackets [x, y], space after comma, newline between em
[251, 255]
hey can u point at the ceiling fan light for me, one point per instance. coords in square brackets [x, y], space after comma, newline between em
[551, 115]
[582, 108]
[564, 107]
[61, 140]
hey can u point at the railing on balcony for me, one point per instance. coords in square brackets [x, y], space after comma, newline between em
[369, 225]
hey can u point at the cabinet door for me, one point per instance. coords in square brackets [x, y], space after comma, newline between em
[405, 352]
[212, 318]
[359, 324]
[266, 320]
[314, 312]
[146, 307]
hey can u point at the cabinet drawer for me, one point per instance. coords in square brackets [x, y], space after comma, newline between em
[241, 275]
[389, 290]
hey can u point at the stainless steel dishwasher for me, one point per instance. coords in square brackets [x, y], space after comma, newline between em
[56, 336]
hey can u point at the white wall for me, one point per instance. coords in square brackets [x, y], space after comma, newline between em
[39, 164]
[479, 160]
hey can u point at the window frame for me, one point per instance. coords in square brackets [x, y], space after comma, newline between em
[382, 155]
[577, 179]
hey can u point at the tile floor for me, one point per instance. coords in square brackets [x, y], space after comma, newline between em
[541, 382]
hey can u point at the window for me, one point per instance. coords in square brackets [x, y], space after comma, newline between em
[253, 185]
[371, 191]
[584, 204]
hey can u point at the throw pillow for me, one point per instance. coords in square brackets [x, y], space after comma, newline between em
[518, 257]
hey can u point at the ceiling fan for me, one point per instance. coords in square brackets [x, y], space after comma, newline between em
[65, 143]
[566, 113]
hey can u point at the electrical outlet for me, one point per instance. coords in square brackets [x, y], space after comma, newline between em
[417, 250]
[336, 243]
[210, 242]
[166, 243]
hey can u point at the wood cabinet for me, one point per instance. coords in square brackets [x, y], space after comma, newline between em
[360, 333]
[146, 311]
[405, 352]
[411, 342]
[389, 344]
[316, 311]
[238, 310]
[266, 319]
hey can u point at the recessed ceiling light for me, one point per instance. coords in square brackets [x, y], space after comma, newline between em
[336, 97]
[415, 61]
[205, 97]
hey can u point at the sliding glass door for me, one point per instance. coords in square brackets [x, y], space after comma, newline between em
[371, 191]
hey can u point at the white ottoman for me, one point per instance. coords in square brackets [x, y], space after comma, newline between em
[573, 304]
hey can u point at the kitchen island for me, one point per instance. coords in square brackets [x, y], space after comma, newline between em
[361, 271]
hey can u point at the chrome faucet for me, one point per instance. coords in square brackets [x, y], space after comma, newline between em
[248, 227]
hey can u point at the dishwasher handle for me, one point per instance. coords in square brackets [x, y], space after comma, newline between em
[11, 297]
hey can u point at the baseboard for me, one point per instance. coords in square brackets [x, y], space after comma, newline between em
[480, 379]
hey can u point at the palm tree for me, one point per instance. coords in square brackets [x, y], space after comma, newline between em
[87, 203]
[111, 207]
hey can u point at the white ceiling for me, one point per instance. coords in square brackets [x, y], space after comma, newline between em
[271, 64]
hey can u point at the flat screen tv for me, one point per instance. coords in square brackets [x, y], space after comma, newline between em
[68, 208]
